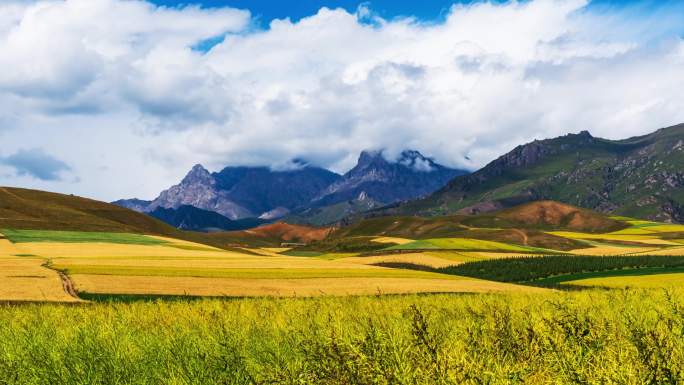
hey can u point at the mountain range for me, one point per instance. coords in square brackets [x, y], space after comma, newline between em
[641, 177]
[307, 194]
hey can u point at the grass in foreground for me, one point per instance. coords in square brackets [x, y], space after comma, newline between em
[21, 236]
[581, 337]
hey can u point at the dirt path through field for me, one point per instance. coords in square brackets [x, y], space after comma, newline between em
[522, 234]
[67, 284]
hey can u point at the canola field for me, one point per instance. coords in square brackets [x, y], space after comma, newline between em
[131, 264]
[553, 337]
[55, 265]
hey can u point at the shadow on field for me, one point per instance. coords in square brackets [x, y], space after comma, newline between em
[133, 298]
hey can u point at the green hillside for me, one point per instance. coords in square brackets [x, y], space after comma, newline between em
[25, 209]
[637, 177]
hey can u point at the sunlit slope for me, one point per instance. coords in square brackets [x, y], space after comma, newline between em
[637, 177]
[40, 210]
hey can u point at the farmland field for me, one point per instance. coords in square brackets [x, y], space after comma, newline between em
[106, 263]
[130, 308]
[638, 279]
[20, 236]
[550, 337]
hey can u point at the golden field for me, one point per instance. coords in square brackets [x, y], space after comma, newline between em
[185, 268]
[245, 287]
[170, 266]
[649, 281]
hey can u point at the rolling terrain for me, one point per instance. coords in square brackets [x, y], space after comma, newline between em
[74, 245]
[152, 308]
[639, 177]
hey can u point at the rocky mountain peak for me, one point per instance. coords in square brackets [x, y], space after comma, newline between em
[368, 157]
[416, 161]
[198, 175]
[584, 134]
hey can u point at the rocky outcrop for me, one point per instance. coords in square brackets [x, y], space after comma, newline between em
[384, 181]
[199, 189]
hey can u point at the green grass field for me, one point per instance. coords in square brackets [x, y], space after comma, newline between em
[22, 236]
[463, 244]
[592, 337]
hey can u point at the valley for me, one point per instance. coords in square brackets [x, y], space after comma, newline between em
[91, 287]
[139, 256]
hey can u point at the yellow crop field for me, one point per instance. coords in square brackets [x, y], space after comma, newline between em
[665, 228]
[180, 267]
[639, 281]
[89, 250]
[633, 231]
[25, 279]
[398, 241]
[605, 250]
[230, 261]
[634, 238]
[672, 251]
[423, 259]
[195, 286]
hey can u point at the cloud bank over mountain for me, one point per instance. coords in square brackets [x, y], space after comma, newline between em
[133, 92]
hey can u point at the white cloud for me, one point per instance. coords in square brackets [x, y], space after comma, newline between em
[122, 77]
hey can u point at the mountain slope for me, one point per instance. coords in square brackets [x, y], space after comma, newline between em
[194, 219]
[40, 210]
[525, 225]
[199, 189]
[241, 192]
[260, 189]
[311, 195]
[375, 182]
[410, 176]
[640, 177]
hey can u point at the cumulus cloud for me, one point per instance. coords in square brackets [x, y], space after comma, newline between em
[127, 76]
[37, 164]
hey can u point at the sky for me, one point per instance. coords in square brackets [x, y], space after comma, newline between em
[114, 99]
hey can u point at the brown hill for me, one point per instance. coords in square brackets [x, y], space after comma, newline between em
[289, 233]
[559, 215]
[40, 210]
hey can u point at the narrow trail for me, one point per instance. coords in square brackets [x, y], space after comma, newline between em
[67, 283]
[523, 235]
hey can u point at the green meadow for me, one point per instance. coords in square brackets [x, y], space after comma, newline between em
[22, 236]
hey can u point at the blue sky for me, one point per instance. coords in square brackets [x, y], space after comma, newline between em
[267, 10]
[86, 99]
[426, 10]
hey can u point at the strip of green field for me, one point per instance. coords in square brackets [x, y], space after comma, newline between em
[250, 273]
[463, 244]
[628, 272]
[23, 236]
